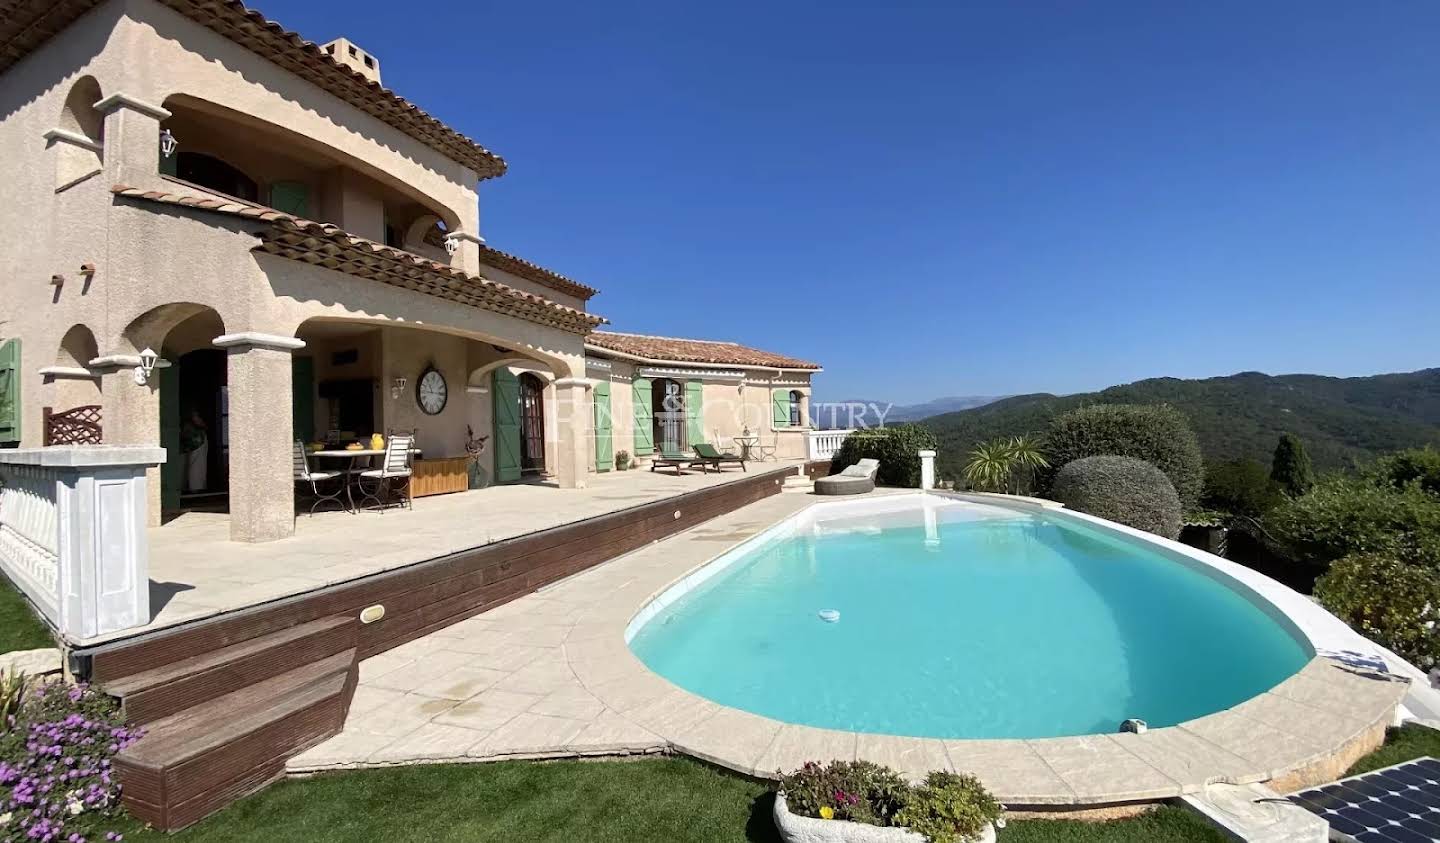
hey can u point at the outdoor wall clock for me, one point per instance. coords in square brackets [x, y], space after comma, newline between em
[431, 392]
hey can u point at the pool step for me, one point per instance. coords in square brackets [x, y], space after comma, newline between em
[204, 757]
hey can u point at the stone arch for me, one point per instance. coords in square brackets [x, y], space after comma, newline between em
[153, 328]
[82, 133]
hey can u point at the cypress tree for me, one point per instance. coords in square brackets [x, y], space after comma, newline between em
[1291, 469]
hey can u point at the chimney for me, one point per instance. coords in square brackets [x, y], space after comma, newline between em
[345, 52]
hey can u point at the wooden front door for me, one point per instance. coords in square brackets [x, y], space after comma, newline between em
[532, 423]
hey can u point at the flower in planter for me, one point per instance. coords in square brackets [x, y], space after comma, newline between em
[827, 813]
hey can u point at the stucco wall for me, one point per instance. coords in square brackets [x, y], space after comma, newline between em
[727, 409]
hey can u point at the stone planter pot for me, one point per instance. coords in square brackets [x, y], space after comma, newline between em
[797, 829]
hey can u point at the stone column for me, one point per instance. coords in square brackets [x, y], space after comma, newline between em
[927, 469]
[130, 415]
[132, 140]
[572, 405]
[262, 485]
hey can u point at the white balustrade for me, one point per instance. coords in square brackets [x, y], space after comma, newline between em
[822, 444]
[72, 534]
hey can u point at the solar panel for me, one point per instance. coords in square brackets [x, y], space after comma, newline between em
[1399, 804]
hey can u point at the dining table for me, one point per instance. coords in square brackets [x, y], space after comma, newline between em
[353, 468]
[746, 443]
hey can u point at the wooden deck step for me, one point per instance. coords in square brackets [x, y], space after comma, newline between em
[167, 689]
[198, 760]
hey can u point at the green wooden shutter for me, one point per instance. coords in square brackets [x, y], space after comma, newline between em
[644, 417]
[172, 472]
[505, 388]
[695, 412]
[604, 433]
[302, 388]
[10, 408]
[292, 197]
[780, 404]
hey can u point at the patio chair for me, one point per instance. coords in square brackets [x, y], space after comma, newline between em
[675, 460]
[316, 479]
[393, 475]
[855, 480]
[763, 452]
[709, 456]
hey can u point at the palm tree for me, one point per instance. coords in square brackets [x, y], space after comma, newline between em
[989, 467]
[1005, 465]
[1027, 458]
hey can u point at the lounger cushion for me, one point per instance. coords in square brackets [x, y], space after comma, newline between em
[840, 484]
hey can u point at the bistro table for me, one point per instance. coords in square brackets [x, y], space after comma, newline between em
[746, 443]
[352, 469]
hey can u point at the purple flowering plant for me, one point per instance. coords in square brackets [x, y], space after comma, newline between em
[56, 780]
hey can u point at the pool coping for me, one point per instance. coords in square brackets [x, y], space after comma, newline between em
[1304, 731]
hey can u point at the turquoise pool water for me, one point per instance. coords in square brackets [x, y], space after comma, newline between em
[1003, 625]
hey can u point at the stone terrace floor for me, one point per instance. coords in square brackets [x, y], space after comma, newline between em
[499, 685]
[197, 572]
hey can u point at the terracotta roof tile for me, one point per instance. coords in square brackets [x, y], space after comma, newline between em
[676, 350]
[26, 24]
[330, 246]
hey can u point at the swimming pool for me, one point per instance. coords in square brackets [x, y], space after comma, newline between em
[954, 619]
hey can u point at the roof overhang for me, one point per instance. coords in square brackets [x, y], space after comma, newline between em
[334, 248]
[27, 24]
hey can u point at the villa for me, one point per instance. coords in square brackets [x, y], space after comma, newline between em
[301, 250]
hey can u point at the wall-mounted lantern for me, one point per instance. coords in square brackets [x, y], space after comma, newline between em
[397, 387]
[452, 245]
[148, 359]
[168, 143]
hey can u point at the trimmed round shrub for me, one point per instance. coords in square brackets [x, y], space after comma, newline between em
[1156, 433]
[1393, 603]
[897, 448]
[1120, 489]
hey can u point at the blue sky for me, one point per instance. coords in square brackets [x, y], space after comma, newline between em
[958, 198]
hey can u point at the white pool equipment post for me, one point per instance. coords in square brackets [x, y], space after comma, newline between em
[927, 470]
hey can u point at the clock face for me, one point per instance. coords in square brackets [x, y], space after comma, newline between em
[431, 393]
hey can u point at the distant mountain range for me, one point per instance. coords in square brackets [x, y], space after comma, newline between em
[820, 412]
[1341, 420]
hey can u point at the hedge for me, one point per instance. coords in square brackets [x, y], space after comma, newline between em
[897, 448]
[1156, 433]
[1120, 489]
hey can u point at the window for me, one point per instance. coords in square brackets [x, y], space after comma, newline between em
[797, 418]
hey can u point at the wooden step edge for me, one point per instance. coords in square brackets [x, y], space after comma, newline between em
[214, 723]
[220, 657]
[154, 702]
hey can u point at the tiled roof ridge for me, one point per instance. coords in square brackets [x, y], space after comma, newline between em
[663, 337]
[534, 272]
[651, 347]
[234, 207]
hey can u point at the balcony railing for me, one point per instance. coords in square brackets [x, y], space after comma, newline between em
[822, 444]
[72, 534]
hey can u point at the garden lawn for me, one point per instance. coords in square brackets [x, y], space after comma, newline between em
[657, 799]
[19, 628]
[654, 799]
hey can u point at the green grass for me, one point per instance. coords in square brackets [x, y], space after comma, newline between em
[663, 799]
[657, 799]
[19, 628]
[1163, 825]
[1402, 744]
